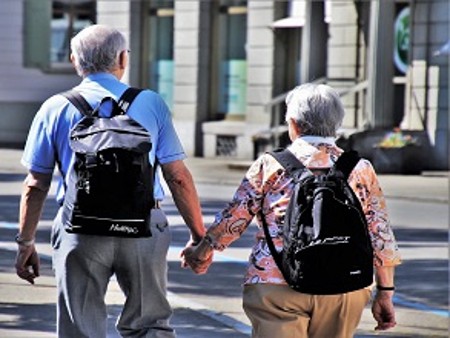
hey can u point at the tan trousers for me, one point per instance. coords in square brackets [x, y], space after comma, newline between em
[277, 311]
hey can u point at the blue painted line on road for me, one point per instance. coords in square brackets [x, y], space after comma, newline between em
[399, 300]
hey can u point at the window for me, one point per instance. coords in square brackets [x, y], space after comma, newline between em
[49, 26]
[232, 61]
[160, 61]
[68, 18]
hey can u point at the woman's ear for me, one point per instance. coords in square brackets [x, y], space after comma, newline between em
[294, 129]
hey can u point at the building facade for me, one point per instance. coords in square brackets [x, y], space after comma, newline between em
[224, 66]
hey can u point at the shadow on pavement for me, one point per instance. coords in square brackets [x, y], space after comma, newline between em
[222, 280]
[9, 206]
[425, 284]
[187, 324]
[423, 281]
[29, 317]
[421, 235]
[26, 313]
[4, 177]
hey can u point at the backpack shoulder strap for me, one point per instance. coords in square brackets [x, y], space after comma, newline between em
[125, 102]
[291, 164]
[346, 162]
[78, 101]
[288, 160]
[271, 245]
[127, 98]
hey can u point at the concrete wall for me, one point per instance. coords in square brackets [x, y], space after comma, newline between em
[22, 90]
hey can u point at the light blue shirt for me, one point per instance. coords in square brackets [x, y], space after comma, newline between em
[48, 138]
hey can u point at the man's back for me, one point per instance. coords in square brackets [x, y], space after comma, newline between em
[57, 117]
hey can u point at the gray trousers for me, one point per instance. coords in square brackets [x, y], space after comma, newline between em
[83, 266]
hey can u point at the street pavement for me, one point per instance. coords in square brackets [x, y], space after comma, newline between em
[210, 305]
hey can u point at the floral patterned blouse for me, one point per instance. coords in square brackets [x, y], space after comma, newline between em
[265, 191]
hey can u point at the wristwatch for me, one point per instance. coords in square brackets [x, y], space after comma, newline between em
[19, 240]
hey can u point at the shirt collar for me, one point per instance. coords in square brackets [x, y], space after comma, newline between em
[315, 151]
[99, 76]
[316, 140]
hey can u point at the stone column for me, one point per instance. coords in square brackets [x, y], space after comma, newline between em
[380, 65]
[116, 15]
[314, 42]
[186, 58]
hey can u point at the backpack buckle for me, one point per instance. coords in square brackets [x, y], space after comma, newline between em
[91, 161]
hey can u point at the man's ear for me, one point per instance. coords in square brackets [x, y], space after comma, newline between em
[123, 59]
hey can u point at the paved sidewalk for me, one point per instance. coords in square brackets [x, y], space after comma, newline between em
[29, 311]
[430, 186]
[32, 312]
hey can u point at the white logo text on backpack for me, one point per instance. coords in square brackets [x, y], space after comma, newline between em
[123, 228]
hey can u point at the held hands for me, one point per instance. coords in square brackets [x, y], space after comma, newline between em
[27, 263]
[198, 257]
[383, 310]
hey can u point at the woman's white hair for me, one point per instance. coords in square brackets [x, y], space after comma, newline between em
[316, 108]
[96, 49]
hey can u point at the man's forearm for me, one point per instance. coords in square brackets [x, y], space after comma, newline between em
[32, 202]
[181, 185]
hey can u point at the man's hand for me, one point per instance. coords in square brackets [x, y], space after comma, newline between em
[383, 310]
[27, 263]
[198, 257]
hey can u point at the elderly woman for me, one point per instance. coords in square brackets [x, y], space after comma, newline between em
[314, 113]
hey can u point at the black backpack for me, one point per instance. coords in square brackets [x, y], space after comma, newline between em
[326, 243]
[110, 189]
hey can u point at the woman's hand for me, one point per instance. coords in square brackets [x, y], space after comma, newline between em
[383, 310]
[198, 257]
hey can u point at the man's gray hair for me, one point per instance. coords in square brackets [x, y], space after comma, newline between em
[96, 49]
[316, 108]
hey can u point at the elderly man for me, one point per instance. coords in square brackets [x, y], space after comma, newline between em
[84, 263]
[314, 113]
